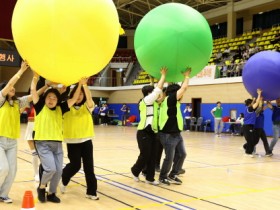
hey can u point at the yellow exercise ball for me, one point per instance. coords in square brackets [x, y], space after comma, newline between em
[66, 40]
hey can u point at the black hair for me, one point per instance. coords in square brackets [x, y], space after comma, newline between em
[54, 91]
[147, 89]
[2, 85]
[64, 95]
[73, 92]
[242, 115]
[218, 102]
[173, 88]
[248, 101]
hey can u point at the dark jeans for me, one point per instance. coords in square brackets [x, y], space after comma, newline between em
[77, 153]
[188, 124]
[146, 140]
[251, 138]
[262, 135]
[175, 153]
[96, 119]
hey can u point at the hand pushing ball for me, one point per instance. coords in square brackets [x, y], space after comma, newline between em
[66, 40]
[262, 71]
[176, 36]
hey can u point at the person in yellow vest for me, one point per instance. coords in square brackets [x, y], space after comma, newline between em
[48, 136]
[79, 141]
[170, 126]
[10, 107]
[146, 131]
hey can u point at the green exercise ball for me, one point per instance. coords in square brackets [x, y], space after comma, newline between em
[176, 36]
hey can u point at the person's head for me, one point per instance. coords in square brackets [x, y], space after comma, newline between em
[188, 105]
[147, 89]
[51, 97]
[81, 99]
[172, 88]
[248, 102]
[64, 92]
[241, 115]
[219, 103]
[11, 94]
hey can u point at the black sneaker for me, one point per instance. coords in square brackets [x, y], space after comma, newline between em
[164, 181]
[181, 171]
[41, 194]
[174, 180]
[52, 198]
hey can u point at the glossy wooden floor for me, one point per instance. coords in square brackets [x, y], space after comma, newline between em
[217, 177]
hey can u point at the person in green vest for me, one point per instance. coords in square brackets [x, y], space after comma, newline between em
[48, 136]
[170, 125]
[146, 131]
[217, 113]
[79, 141]
[10, 107]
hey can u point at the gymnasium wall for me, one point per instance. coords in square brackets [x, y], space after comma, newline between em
[231, 95]
[205, 113]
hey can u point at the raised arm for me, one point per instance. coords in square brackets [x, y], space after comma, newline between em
[90, 102]
[256, 104]
[185, 84]
[72, 101]
[15, 78]
[33, 91]
[163, 72]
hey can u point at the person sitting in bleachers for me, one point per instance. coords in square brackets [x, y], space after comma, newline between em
[226, 52]
[276, 39]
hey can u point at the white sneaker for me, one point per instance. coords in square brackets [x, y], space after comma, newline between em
[136, 178]
[62, 188]
[92, 197]
[249, 155]
[6, 200]
[155, 182]
[37, 178]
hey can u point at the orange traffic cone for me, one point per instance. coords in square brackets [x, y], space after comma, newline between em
[28, 201]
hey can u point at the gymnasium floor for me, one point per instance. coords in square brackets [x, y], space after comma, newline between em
[217, 177]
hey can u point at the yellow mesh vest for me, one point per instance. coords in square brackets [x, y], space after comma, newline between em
[10, 120]
[143, 116]
[48, 124]
[77, 123]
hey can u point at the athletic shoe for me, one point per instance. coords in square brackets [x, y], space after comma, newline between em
[152, 182]
[269, 154]
[181, 171]
[164, 181]
[136, 178]
[53, 198]
[174, 180]
[62, 188]
[92, 197]
[37, 178]
[249, 155]
[6, 200]
[41, 194]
